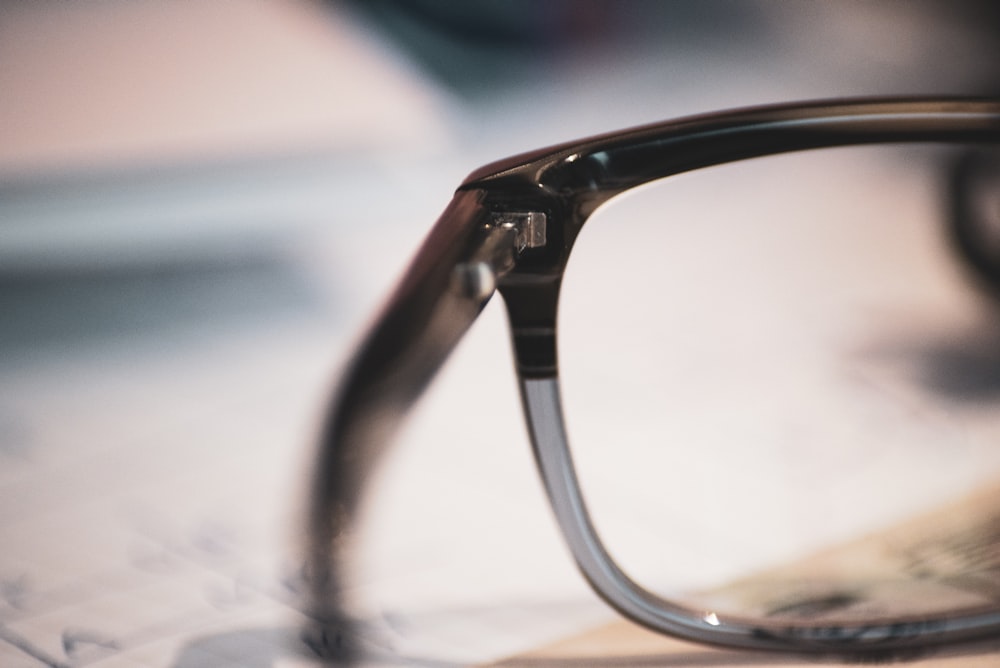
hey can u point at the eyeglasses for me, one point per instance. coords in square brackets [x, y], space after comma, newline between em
[510, 228]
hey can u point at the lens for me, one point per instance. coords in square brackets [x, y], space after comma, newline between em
[782, 393]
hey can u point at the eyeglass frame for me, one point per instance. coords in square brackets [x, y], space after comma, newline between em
[510, 228]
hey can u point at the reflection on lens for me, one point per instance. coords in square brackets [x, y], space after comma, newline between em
[758, 366]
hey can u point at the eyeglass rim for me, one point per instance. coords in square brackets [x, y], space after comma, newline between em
[471, 253]
[752, 133]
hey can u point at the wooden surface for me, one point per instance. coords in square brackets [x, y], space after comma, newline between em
[622, 643]
[954, 544]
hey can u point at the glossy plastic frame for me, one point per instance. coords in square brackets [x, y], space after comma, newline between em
[511, 227]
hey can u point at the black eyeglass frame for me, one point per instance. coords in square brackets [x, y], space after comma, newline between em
[510, 228]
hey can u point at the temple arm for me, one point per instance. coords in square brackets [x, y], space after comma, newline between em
[451, 279]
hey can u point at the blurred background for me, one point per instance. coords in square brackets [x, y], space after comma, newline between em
[201, 204]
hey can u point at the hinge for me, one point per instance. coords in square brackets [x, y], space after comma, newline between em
[530, 227]
[508, 236]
